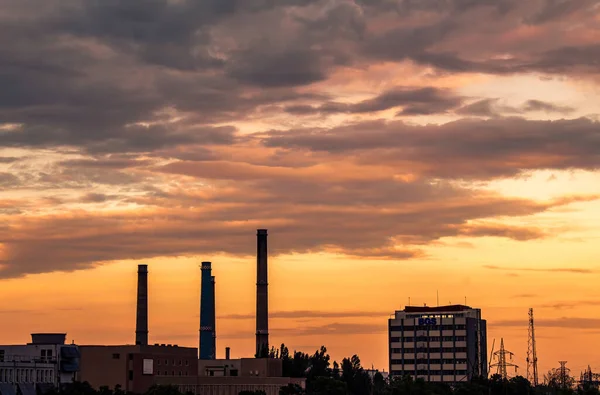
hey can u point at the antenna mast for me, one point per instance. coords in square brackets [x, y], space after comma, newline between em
[532, 369]
[502, 363]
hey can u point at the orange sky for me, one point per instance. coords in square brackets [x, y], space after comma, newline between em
[394, 150]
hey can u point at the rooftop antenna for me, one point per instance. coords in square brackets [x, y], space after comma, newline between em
[465, 300]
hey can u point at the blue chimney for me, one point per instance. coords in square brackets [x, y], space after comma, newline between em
[207, 313]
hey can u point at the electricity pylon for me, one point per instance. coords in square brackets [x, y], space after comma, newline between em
[532, 369]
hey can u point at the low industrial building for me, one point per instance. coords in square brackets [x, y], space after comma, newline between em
[135, 367]
[44, 363]
[439, 344]
[231, 376]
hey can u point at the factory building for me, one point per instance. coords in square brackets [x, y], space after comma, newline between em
[438, 344]
[44, 363]
[135, 368]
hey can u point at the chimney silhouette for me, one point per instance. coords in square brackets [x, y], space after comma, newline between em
[213, 318]
[262, 297]
[141, 324]
[207, 313]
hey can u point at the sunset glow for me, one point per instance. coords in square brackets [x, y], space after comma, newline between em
[394, 149]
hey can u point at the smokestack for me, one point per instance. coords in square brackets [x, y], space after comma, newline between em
[207, 313]
[213, 319]
[262, 298]
[227, 353]
[141, 324]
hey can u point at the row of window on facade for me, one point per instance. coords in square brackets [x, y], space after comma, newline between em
[26, 375]
[428, 327]
[428, 339]
[431, 372]
[46, 356]
[158, 361]
[430, 350]
[172, 373]
[434, 315]
[430, 361]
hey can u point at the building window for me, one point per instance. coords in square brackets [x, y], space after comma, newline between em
[166, 362]
[2, 355]
[234, 372]
[131, 375]
[187, 363]
[158, 362]
[116, 356]
[131, 357]
[180, 362]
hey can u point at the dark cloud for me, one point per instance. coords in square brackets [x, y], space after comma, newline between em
[525, 295]
[461, 149]
[494, 108]
[420, 101]
[211, 222]
[299, 314]
[556, 9]
[563, 322]
[539, 105]
[333, 329]
[8, 180]
[570, 304]
[575, 270]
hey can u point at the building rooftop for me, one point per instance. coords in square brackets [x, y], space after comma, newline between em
[428, 309]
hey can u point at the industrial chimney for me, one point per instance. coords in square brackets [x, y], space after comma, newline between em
[262, 298]
[141, 324]
[207, 313]
[213, 319]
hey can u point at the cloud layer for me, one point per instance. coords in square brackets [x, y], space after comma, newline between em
[170, 128]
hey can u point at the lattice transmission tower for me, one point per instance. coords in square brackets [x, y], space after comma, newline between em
[532, 366]
[502, 363]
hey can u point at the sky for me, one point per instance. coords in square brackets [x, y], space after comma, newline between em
[395, 150]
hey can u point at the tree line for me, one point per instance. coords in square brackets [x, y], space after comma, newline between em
[324, 377]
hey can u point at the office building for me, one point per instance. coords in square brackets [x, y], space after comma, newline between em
[44, 363]
[439, 344]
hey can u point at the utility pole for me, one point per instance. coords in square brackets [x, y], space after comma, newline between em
[532, 368]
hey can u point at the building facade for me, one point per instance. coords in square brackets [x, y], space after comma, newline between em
[44, 363]
[439, 344]
[135, 368]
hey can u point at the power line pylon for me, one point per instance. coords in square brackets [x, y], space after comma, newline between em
[502, 363]
[563, 375]
[532, 369]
